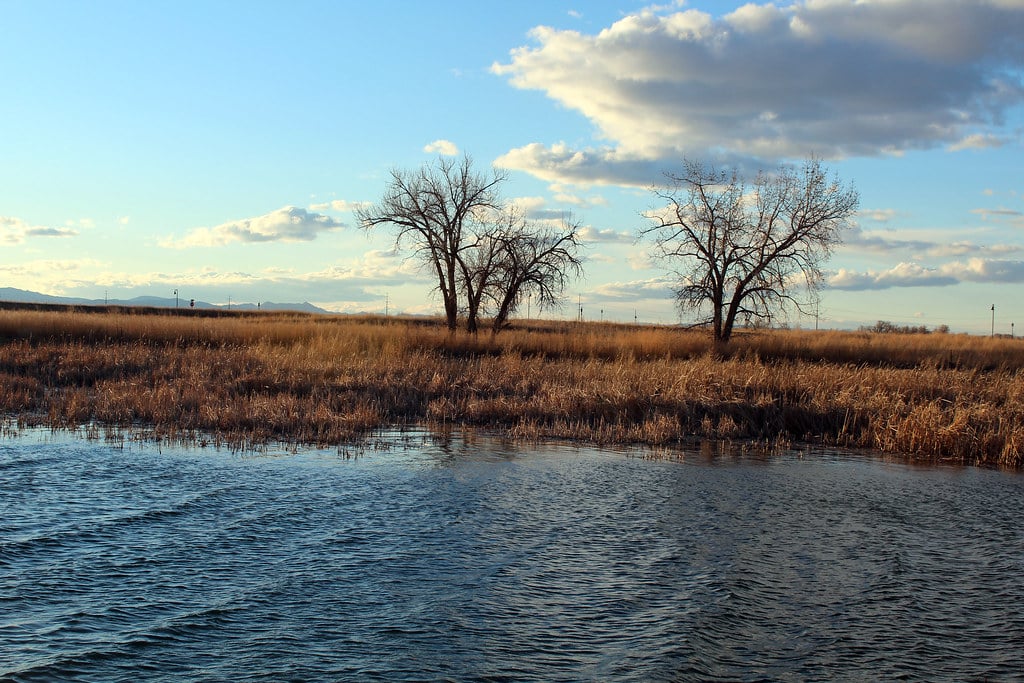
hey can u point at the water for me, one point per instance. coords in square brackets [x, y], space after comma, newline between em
[477, 561]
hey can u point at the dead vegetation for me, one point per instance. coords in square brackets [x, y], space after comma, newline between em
[255, 378]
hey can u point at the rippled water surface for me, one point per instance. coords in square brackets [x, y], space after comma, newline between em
[477, 561]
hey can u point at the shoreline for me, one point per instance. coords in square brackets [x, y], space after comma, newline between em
[252, 379]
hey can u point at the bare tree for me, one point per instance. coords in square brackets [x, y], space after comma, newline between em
[436, 212]
[532, 261]
[748, 252]
[479, 268]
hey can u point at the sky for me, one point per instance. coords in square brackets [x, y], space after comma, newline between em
[220, 148]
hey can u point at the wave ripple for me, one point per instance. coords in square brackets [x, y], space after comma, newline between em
[476, 561]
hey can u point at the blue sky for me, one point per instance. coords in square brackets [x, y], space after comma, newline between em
[218, 148]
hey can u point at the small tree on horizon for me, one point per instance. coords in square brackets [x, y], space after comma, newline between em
[748, 252]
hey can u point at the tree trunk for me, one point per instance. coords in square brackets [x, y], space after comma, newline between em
[451, 312]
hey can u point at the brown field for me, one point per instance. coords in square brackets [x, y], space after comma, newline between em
[249, 379]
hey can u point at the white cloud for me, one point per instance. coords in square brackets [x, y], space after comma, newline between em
[564, 195]
[642, 261]
[659, 288]
[878, 215]
[563, 164]
[341, 205]
[592, 234]
[901, 275]
[977, 141]
[288, 224]
[49, 276]
[916, 275]
[15, 230]
[765, 83]
[857, 239]
[442, 147]
[537, 209]
[374, 268]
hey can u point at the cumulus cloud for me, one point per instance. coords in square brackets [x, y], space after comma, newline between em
[15, 230]
[915, 275]
[769, 82]
[901, 275]
[288, 224]
[443, 147]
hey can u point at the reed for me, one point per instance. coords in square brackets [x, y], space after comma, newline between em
[250, 379]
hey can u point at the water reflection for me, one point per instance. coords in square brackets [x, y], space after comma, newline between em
[437, 557]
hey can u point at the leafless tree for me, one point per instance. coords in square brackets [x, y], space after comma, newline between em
[479, 268]
[533, 261]
[748, 252]
[436, 212]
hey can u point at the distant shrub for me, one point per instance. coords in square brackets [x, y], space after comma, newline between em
[886, 327]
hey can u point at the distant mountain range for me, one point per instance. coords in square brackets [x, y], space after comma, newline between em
[24, 296]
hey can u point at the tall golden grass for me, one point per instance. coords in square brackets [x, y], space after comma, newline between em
[248, 379]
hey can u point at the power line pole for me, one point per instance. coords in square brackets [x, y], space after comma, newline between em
[993, 320]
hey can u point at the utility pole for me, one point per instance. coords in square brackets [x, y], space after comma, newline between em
[579, 302]
[993, 320]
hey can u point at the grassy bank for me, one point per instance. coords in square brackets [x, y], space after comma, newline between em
[253, 378]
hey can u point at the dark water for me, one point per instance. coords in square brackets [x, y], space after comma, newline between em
[476, 561]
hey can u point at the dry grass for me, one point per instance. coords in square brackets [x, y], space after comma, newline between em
[253, 378]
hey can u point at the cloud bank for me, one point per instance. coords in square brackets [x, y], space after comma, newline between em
[765, 83]
[288, 224]
[915, 275]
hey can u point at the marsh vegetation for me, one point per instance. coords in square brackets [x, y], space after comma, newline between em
[248, 379]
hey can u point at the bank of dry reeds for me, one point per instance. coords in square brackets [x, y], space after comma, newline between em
[254, 378]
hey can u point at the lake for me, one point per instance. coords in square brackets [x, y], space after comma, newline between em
[431, 558]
